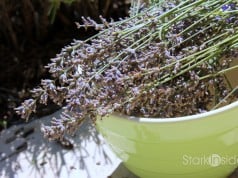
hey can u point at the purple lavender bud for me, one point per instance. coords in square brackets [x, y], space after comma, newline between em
[218, 18]
[231, 19]
[225, 7]
[231, 6]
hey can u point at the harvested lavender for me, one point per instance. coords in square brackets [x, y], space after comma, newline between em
[166, 60]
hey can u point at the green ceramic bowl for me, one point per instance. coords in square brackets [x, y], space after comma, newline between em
[197, 146]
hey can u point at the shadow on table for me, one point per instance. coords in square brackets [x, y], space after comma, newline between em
[25, 153]
[122, 172]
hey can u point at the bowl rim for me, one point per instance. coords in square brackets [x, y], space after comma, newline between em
[179, 119]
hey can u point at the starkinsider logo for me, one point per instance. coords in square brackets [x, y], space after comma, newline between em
[212, 160]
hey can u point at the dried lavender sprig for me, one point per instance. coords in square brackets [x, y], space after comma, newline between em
[89, 88]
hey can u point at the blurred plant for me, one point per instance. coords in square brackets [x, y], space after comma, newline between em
[166, 60]
[54, 6]
[3, 124]
[95, 6]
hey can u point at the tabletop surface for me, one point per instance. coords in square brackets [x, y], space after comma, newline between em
[24, 152]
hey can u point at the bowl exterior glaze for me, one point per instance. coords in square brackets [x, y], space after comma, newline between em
[198, 146]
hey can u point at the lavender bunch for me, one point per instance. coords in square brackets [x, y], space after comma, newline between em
[167, 59]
